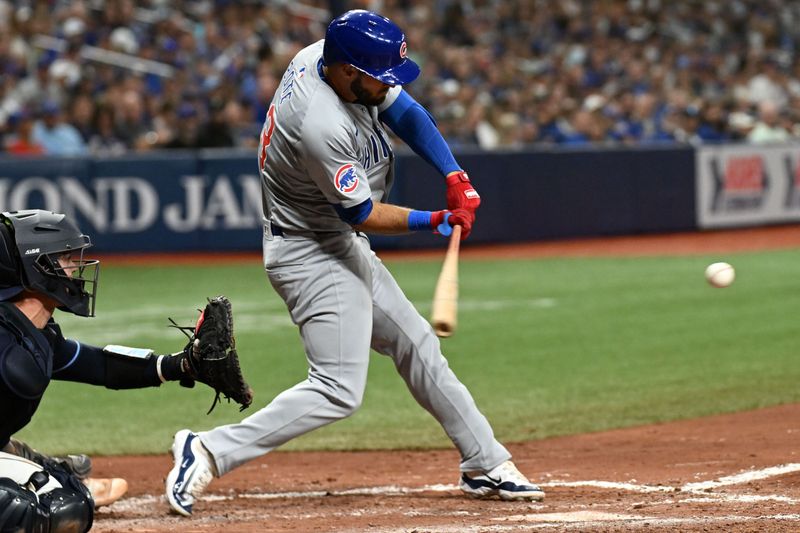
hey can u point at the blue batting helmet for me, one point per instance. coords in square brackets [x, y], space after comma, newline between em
[371, 43]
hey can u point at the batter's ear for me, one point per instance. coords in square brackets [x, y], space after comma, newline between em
[349, 70]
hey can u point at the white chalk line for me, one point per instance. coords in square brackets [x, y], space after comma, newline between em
[612, 485]
[386, 490]
[742, 498]
[697, 492]
[587, 519]
[702, 487]
[743, 477]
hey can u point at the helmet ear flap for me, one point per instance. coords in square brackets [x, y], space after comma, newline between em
[10, 267]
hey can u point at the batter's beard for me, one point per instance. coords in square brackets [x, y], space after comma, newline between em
[362, 96]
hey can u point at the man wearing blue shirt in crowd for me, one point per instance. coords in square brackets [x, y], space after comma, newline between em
[57, 137]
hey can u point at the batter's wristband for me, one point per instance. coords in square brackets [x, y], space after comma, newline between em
[419, 220]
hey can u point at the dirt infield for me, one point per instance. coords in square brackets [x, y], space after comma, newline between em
[727, 473]
[735, 472]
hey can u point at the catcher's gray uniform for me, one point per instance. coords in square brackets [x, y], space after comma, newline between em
[317, 151]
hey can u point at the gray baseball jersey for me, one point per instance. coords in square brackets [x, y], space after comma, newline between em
[317, 150]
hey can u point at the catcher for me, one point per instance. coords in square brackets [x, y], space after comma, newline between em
[42, 268]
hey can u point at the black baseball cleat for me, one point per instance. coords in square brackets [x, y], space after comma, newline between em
[504, 482]
[79, 465]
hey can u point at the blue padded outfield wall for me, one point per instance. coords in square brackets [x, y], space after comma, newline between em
[211, 201]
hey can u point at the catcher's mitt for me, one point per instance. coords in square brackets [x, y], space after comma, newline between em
[210, 355]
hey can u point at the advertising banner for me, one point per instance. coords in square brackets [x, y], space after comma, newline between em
[211, 200]
[156, 203]
[746, 185]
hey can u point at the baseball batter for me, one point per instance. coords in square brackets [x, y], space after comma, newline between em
[326, 167]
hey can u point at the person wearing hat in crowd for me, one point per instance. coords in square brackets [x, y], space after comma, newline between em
[188, 128]
[56, 136]
[21, 141]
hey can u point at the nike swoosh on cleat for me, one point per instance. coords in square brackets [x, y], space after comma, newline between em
[493, 480]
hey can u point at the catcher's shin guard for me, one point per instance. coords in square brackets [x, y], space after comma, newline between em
[69, 510]
[20, 509]
[37, 499]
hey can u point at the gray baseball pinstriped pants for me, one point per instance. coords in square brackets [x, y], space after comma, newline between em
[334, 288]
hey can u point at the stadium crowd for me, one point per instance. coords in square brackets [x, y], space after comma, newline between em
[110, 76]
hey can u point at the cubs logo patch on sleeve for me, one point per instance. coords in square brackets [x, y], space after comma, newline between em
[346, 179]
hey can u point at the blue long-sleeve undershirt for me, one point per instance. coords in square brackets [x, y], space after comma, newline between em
[412, 123]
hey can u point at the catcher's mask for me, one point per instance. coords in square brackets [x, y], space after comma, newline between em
[33, 241]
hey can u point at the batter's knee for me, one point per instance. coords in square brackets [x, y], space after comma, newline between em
[345, 394]
[348, 400]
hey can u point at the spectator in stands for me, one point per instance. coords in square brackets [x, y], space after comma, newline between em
[65, 72]
[768, 128]
[688, 126]
[587, 126]
[188, 129]
[216, 132]
[21, 142]
[498, 73]
[165, 124]
[245, 132]
[713, 123]
[769, 84]
[81, 115]
[740, 124]
[56, 136]
[34, 87]
[103, 140]
[131, 123]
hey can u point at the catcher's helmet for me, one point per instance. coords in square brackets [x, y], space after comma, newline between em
[32, 242]
[371, 43]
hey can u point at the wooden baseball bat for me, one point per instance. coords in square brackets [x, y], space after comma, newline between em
[444, 311]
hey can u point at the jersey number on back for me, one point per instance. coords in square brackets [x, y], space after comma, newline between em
[266, 136]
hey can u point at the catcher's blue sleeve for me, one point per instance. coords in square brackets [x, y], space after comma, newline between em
[97, 366]
[412, 123]
[84, 363]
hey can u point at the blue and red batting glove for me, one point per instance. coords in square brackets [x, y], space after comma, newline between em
[460, 192]
[443, 221]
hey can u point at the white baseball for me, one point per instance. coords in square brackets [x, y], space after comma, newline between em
[720, 274]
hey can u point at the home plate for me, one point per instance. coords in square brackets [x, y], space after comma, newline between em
[577, 516]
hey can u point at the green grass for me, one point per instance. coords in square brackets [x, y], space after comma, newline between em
[547, 347]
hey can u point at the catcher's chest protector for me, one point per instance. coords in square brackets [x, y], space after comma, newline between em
[26, 365]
